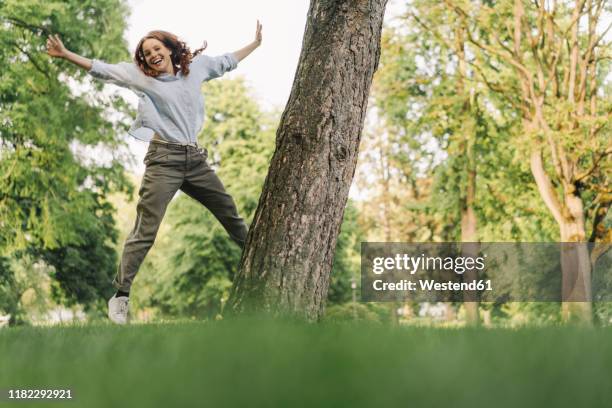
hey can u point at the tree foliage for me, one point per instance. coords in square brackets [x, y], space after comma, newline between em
[53, 200]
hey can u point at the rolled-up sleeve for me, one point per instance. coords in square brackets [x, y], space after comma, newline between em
[124, 74]
[213, 67]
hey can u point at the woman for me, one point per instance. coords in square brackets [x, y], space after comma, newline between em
[167, 77]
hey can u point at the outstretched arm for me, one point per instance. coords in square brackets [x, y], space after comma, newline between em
[125, 74]
[243, 52]
[55, 48]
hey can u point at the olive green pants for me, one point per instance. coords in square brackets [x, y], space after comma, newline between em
[168, 169]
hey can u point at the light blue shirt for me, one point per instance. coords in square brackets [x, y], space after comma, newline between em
[171, 105]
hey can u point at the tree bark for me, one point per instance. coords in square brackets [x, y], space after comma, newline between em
[575, 260]
[289, 251]
[576, 265]
[469, 222]
[470, 248]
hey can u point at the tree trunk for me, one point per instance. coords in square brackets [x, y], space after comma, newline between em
[468, 198]
[575, 265]
[575, 260]
[470, 248]
[290, 247]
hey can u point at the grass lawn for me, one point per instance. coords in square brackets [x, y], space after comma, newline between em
[255, 362]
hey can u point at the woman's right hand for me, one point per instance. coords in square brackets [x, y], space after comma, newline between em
[55, 47]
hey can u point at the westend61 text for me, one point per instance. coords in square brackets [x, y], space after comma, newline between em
[428, 284]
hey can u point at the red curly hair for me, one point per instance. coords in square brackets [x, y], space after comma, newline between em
[181, 54]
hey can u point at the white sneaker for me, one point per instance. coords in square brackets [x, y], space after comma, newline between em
[118, 309]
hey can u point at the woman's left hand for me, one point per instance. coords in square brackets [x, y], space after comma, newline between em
[258, 34]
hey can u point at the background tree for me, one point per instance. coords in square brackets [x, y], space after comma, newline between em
[551, 64]
[430, 108]
[52, 200]
[347, 259]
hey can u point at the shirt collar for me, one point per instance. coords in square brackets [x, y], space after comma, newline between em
[166, 77]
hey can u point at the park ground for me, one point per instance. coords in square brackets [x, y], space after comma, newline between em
[257, 362]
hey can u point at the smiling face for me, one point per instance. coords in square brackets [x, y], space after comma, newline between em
[157, 56]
